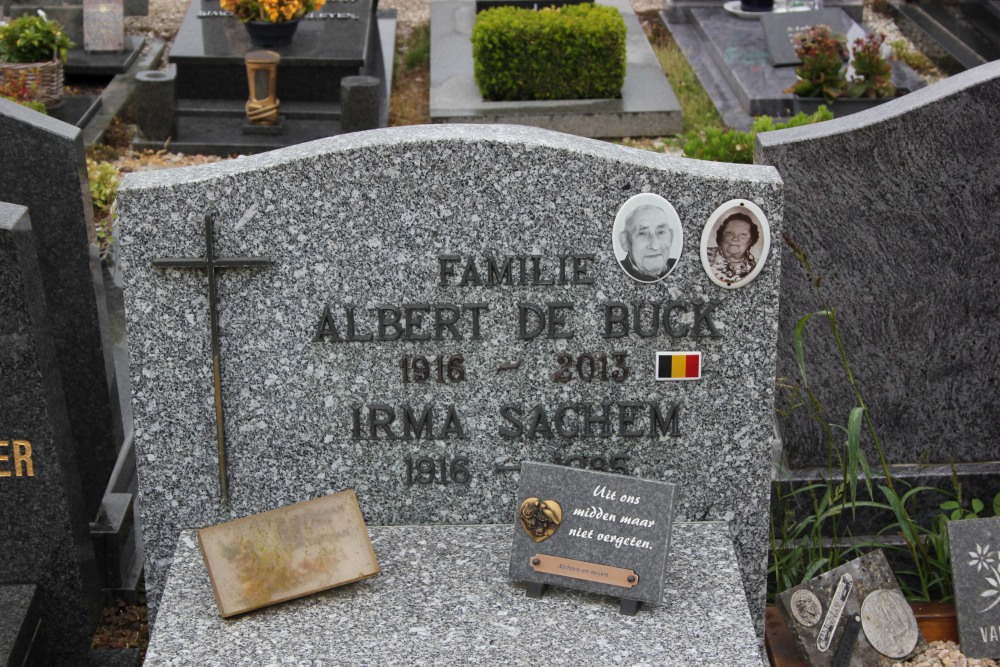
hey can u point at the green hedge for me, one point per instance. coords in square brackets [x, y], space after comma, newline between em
[574, 52]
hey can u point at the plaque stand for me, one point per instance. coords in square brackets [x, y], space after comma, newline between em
[535, 590]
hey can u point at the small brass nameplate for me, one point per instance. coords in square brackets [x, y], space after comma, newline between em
[287, 553]
[578, 569]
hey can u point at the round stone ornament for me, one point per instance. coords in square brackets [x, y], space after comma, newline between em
[889, 624]
[806, 607]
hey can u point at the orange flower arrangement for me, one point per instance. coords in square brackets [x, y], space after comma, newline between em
[270, 11]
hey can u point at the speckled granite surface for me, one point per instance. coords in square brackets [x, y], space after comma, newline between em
[362, 220]
[443, 598]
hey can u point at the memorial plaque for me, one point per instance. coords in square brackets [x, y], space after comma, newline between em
[780, 29]
[975, 566]
[287, 553]
[594, 531]
[852, 616]
[103, 25]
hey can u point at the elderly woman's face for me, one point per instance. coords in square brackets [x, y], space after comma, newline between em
[736, 240]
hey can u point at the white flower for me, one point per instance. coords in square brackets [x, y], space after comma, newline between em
[42, 14]
[981, 558]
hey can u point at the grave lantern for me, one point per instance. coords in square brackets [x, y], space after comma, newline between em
[262, 75]
[103, 25]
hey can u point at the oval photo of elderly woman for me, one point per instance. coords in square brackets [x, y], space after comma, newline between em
[735, 243]
[647, 237]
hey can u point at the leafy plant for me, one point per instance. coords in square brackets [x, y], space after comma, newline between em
[33, 38]
[903, 50]
[737, 146]
[104, 181]
[571, 52]
[874, 73]
[805, 544]
[823, 54]
[270, 11]
[15, 88]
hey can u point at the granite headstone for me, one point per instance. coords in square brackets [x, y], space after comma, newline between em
[595, 531]
[42, 514]
[447, 307]
[975, 565]
[895, 208]
[44, 168]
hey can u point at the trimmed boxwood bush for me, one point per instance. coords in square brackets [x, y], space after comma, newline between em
[574, 52]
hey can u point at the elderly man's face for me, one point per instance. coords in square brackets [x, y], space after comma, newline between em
[649, 242]
[736, 240]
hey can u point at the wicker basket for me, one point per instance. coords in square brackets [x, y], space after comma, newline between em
[47, 76]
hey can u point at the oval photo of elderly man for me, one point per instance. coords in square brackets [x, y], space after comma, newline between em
[647, 237]
[735, 243]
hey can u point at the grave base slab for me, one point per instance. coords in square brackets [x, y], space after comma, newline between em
[443, 597]
[731, 58]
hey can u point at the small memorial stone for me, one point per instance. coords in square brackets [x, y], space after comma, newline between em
[975, 564]
[594, 531]
[287, 553]
[865, 620]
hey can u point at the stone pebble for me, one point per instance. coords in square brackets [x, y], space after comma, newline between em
[945, 654]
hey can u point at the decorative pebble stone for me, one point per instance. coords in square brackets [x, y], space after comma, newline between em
[946, 654]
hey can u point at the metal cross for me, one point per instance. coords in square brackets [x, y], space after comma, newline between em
[212, 263]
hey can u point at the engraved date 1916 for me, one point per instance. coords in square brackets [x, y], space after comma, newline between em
[440, 369]
[591, 367]
[427, 470]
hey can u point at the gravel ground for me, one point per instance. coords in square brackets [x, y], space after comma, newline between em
[945, 654]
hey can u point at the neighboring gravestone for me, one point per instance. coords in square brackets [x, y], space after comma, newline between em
[44, 168]
[896, 210]
[446, 307]
[42, 514]
[975, 565]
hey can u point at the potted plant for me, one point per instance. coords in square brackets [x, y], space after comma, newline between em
[822, 75]
[270, 22]
[32, 52]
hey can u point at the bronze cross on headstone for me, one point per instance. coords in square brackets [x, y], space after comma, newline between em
[211, 263]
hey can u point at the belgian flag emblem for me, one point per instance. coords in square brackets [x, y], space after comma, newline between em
[678, 365]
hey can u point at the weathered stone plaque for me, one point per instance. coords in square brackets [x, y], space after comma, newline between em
[854, 615]
[594, 531]
[975, 567]
[287, 553]
[441, 304]
[103, 25]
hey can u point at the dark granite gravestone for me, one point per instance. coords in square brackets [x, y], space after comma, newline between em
[956, 35]
[44, 168]
[345, 38]
[896, 209]
[594, 531]
[975, 567]
[852, 616]
[43, 516]
[519, 335]
[20, 626]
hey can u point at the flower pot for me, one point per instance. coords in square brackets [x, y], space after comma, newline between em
[936, 620]
[757, 5]
[46, 77]
[267, 34]
[842, 106]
